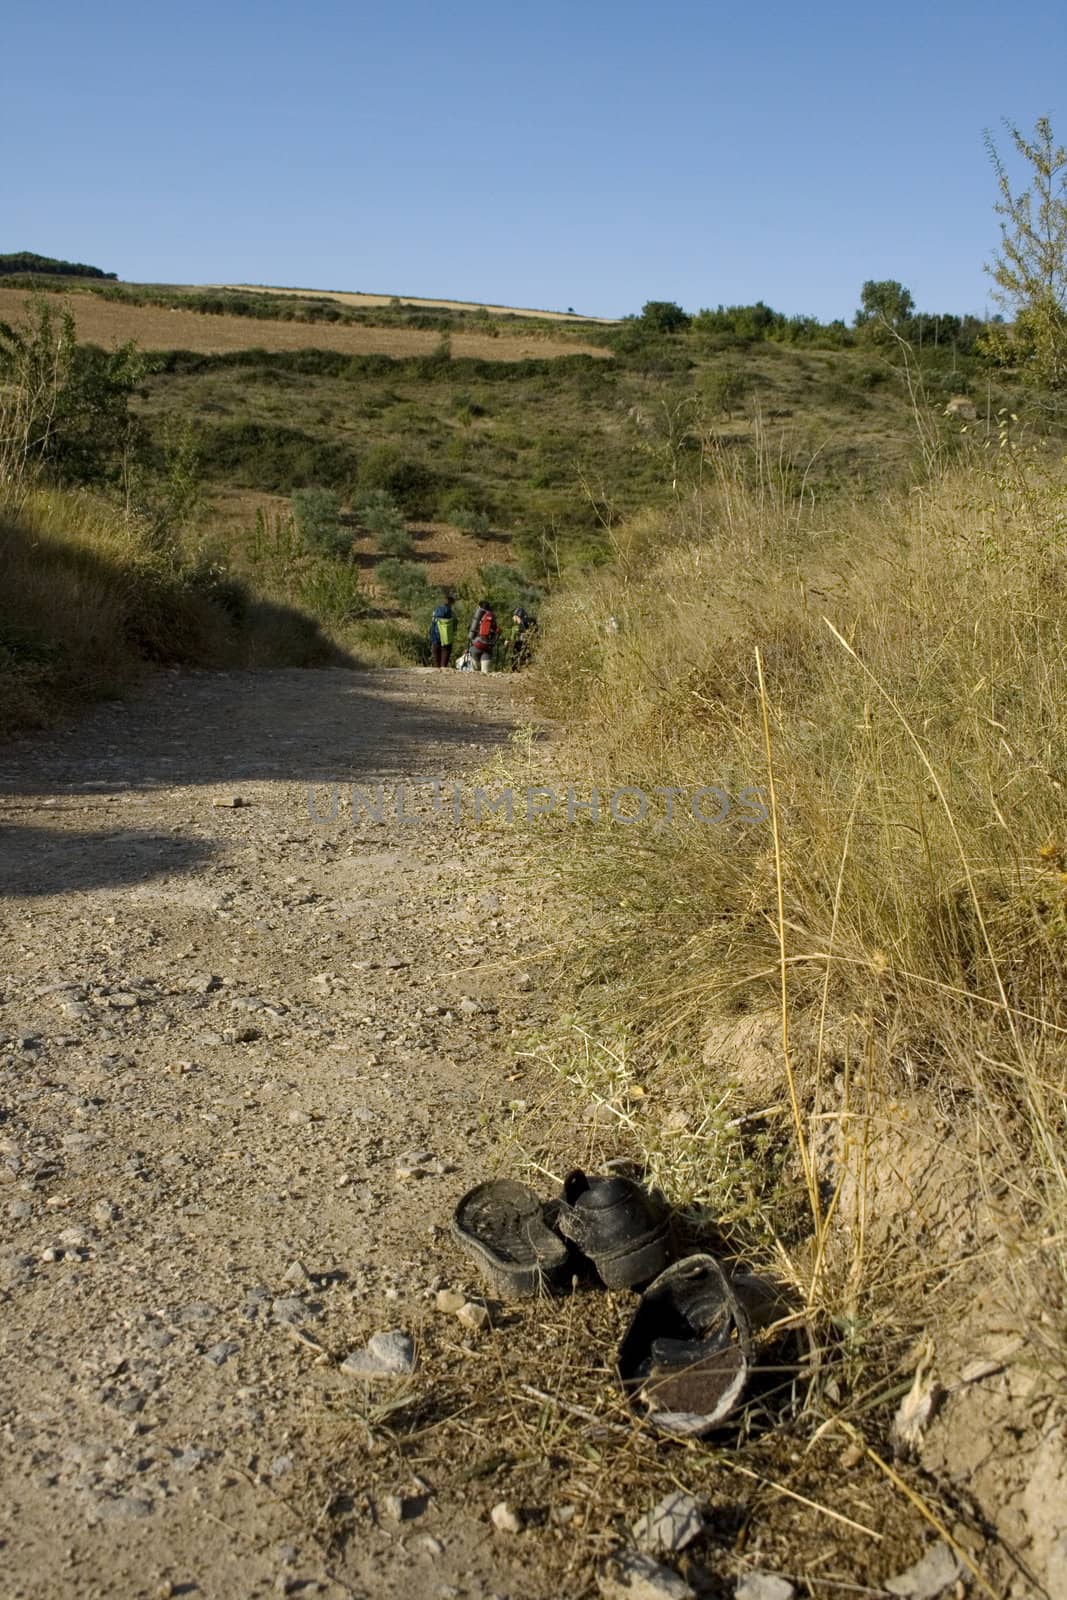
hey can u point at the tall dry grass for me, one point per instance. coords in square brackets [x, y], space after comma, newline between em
[91, 599]
[898, 671]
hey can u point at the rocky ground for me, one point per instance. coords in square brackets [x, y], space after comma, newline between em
[248, 1061]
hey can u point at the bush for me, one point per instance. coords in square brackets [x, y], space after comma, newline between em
[723, 388]
[407, 584]
[476, 523]
[664, 316]
[381, 516]
[396, 541]
[411, 484]
[260, 455]
[317, 514]
[505, 588]
[332, 591]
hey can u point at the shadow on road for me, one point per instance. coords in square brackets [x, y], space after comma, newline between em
[45, 861]
[227, 731]
[217, 728]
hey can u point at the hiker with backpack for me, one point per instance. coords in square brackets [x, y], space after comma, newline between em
[482, 636]
[442, 632]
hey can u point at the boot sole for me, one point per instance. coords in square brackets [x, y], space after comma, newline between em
[502, 1225]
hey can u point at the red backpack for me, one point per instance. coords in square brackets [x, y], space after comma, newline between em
[487, 628]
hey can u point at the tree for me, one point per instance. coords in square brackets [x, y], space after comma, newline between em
[884, 304]
[63, 406]
[1030, 269]
[664, 316]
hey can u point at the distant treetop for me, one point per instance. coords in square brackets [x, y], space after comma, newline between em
[27, 261]
[665, 316]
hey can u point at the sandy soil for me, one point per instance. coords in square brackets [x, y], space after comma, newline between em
[107, 323]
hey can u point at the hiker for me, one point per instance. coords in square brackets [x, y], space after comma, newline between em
[482, 636]
[523, 626]
[442, 629]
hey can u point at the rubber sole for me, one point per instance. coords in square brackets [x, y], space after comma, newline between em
[501, 1224]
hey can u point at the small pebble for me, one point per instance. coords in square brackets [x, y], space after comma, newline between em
[220, 1353]
[504, 1519]
[473, 1316]
[764, 1586]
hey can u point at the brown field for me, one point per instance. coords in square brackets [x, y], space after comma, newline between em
[351, 298]
[107, 323]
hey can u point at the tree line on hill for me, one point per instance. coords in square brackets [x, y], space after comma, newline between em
[1029, 273]
[27, 261]
[887, 309]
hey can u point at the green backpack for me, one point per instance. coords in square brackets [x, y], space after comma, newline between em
[444, 629]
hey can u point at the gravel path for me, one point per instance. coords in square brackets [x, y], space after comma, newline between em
[247, 1063]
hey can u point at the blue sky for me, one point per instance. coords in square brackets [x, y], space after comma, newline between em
[585, 155]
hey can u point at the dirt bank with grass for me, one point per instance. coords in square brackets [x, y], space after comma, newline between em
[91, 602]
[834, 1021]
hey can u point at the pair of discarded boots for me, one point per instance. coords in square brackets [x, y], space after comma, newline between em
[685, 1358]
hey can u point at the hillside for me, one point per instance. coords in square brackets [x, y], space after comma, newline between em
[105, 321]
[514, 446]
[355, 298]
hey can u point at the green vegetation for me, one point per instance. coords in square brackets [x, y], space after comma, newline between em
[317, 513]
[25, 261]
[551, 455]
[382, 517]
[407, 583]
[63, 406]
[1030, 270]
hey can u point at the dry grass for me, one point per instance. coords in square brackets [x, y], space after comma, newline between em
[531, 1413]
[894, 1137]
[350, 298]
[90, 602]
[110, 323]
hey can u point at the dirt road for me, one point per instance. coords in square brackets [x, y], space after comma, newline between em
[247, 1062]
[249, 1058]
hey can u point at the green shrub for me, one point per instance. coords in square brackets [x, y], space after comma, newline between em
[723, 388]
[382, 517]
[476, 523]
[396, 541]
[269, 456]
[505, 588]
[664, 316]
[871, 377]
[407, 584]
[412, 484]
[331, 590]
[317, 513]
